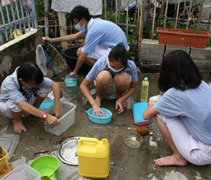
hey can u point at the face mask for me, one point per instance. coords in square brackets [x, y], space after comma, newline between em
[114, 70]
[81, 29]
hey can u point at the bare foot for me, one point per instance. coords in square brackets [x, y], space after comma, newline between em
[19, 127]
[98, 100]
[172, 160]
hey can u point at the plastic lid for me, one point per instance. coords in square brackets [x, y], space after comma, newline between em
[146, 79]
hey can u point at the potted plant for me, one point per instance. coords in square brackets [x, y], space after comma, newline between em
[180, 37]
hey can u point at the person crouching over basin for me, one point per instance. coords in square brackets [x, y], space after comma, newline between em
[24, 91]
[113, 73]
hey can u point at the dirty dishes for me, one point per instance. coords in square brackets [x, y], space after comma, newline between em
[47, 166]
[104, 119]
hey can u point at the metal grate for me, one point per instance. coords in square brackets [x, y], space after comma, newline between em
[17, 17]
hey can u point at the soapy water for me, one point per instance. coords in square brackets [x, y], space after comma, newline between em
[102, 115]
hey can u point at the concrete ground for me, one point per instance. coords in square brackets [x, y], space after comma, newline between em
[126, 163]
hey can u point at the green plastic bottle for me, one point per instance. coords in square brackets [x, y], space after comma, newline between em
[144, 90]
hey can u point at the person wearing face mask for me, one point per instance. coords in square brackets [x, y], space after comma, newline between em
[101, 37]
[113, 73]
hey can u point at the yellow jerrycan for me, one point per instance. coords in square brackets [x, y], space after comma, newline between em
[93, 157]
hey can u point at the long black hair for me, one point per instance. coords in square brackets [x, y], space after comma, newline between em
[29, 71]
[80, 12]
[119, 53]
[179, 71]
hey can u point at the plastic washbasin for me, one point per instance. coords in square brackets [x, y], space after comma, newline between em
[46, 104]
[70, 81]
[104, 119]
[47, 166]
[23, 172]
[66, 120]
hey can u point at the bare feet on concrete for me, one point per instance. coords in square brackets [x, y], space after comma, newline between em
[19, 127]
[172, 160]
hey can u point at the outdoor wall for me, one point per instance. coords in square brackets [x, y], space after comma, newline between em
[18, 51]
[152, 55]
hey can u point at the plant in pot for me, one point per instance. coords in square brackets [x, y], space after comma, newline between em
[182, 37]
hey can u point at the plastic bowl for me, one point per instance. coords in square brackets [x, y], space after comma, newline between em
[70, 81]
[47, 166]
[132, 139]
[104, 119]
[46, 104]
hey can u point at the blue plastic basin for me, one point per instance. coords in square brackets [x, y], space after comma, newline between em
[46, 104]
[71, 81]
[138, 111]
[104, 119]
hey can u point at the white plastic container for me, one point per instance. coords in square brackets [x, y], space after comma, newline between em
[66, 120]
[23, 172]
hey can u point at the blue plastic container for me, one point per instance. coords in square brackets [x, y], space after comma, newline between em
[104, 119]
[70, 81]
[138, 111]
[46, 104]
